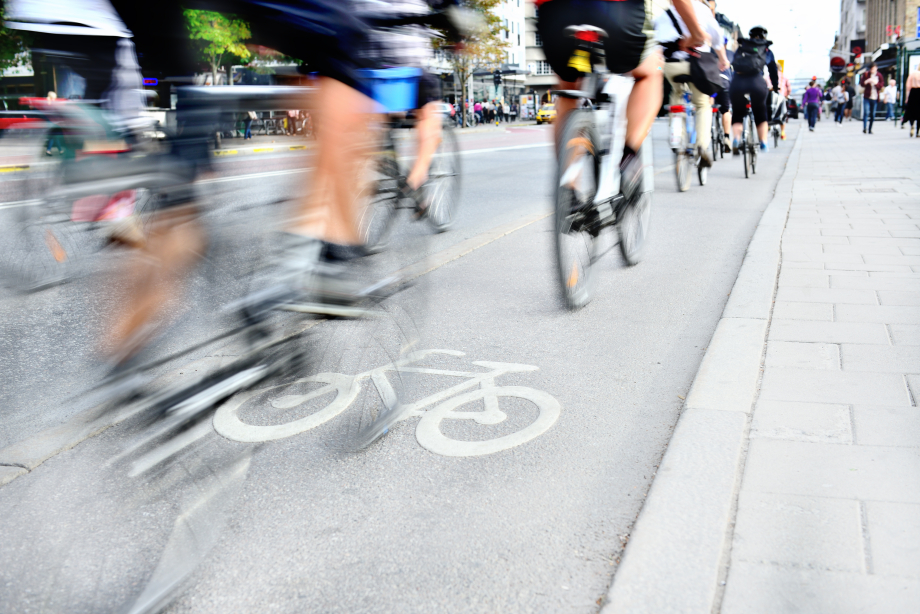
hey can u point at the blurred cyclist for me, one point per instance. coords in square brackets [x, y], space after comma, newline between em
[669, 30]
[722, 99]
[752, 55]
[630, 49]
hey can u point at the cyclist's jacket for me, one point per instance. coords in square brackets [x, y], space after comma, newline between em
[752, 56]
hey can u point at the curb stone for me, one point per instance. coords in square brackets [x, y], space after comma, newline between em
[674, 561]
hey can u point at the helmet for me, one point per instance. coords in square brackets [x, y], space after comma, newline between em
[758, 32]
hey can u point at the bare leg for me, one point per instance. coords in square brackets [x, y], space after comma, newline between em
[428, 131]
[155, 275]
[644, 101]
[763, 129]
[329, 209]
[726, 123]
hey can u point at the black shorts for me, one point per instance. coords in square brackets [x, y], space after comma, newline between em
[429, 89]
[626, 24]
[756, 88]
[724, 101]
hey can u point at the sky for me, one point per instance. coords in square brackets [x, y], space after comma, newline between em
[802, 31]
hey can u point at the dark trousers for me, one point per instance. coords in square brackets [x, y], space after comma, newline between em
[869, 113]
[811, 111]
[838, 115]
[247, 132]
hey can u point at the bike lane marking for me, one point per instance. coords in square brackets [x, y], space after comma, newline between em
[444, 404]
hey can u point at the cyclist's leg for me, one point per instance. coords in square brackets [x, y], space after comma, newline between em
[739, 105]
[427, 130]
[328, 211]
[758, 94]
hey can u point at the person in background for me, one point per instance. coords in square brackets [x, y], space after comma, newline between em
[54, 141]
[851, 96]
[250, 117]
[912, 102]
[839, 97]
[871, 82]
[812, 102]
[890, 96]
[477, 109]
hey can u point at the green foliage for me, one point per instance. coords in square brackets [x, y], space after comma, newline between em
[483, 50]
[14, 45]
[219, 34]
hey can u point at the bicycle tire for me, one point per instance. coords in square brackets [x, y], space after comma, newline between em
[702, 174]
[716, 144]
[753, 143]
[443, 187]
[575, 241]
[379, 201]
[745, 150]
[682, 168]
[635, 219]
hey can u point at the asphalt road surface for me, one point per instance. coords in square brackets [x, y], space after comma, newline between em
[524, 506]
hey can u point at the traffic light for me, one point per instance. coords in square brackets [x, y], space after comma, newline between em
[497, 78]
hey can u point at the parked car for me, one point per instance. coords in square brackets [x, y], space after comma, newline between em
[546, 114]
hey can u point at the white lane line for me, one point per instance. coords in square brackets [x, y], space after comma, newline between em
[509, 148]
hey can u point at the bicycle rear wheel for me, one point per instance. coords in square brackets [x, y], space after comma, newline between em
[745, 150]
[636, 217]
[716, 136]
[575, 218]
[753, 143]
[443, 188]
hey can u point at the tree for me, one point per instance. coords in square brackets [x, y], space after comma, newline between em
[220, 34]
[484, 49]
[14, 45]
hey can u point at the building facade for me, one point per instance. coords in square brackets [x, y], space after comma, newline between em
[883, 17]
[852, 34]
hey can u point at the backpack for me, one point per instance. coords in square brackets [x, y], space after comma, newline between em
[704, 67]
[751, 57]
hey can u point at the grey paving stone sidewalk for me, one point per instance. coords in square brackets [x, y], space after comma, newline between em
[828, 514]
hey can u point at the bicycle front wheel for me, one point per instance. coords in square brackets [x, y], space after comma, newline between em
[575, 219]
[634, 221]
[444, 182]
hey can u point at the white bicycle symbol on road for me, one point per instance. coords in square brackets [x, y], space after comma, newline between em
[478, 386]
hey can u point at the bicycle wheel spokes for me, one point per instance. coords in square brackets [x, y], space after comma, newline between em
[378, 201]
[444, 182]
[576, 185]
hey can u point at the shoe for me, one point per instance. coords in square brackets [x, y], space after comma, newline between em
[810, 129]
[870, 132]
[764, 148]
[736, 147]
[630, 174]
[864, 131]
[912, 131]
[727, 144]
[705, 158]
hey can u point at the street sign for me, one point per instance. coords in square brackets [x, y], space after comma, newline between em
[781, 64]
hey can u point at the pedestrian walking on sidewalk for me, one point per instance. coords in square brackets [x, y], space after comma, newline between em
[851, 93]
[247, 131]
[871, 82]
[912, 102]
[890, 96]
[812, 102]
[840, 97]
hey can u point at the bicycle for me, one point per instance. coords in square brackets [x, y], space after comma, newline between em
[588, 194]
[387, 187]
[683, 139]
[749, 143]
[718, 144]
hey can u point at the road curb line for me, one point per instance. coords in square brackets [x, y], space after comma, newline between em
[679, 545]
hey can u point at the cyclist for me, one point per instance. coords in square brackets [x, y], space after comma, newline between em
[722, 100]
[630, 49]
[669, 29]
[752, 55]
[410, 46]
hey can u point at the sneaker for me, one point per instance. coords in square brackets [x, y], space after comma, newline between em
[736, 147]
[864, 131]
[630, 175]
[727, 144]
[764, 148]
[705, 158]
[810, 129]
[912, 131]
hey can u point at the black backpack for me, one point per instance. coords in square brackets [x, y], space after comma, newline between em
[751, 56]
